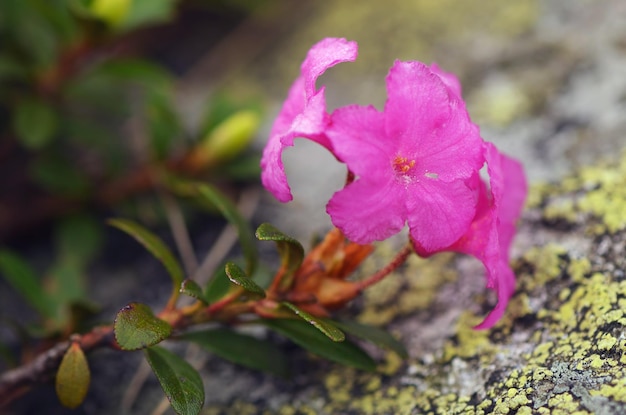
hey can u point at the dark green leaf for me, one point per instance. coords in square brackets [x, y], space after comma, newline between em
[153, 244]
[180, 382]
[232, 215]
[136, 327]
[69, 282]
[59, 176]
[73, 377]
[10, 68]
[137, 70]
[24, 280]
[311, 339]
[242, 349]
[237, 276]
[192, 289]
[34, 123]
[243, 168]
[163, 123]
[290, 250]
[218, 286]
[325, 327]
[379, 337]
[78, 239]
[148, 12]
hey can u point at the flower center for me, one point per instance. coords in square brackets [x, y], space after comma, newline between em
[402, 165]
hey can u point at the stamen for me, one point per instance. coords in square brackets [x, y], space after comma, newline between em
[403, 165]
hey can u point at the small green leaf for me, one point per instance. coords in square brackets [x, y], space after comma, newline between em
[78, 239]
[163, 123]
[156, 247]
[35, 123]
[379, 337]
[24, 280]
[242, 349]
[180, 382]
[232, 215]
[237, 276]
[59, 176]
[325, 327]
[192, 289]
[290, 250]
[68, 280]
[73, 377]
[311, 339]
[229, 138]
[218, 286]
[136, 327]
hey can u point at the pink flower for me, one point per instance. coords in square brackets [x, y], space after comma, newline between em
[412, 161]
[304, 112]
[490, 235]
[415, 163]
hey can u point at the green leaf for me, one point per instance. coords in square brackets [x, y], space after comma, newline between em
[24, 280]
[237, 276]
[192, 289]
[311, 339]
[35, 123]
[148, 12]
[153, 244]
[242, 349]
[218, 285]
[229, 138]
[136, 327]
[59, 176]
[68, 282]
[379, 337]
[180, 382]
[73, 377]
[325, 327]
[290, 250]
[78, 239]
[163, 123]
[232, 215]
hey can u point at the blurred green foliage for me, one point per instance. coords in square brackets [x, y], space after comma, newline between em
[88, 120]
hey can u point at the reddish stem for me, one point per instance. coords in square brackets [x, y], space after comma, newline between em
[389, 268]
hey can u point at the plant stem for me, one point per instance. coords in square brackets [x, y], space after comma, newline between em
[392, 266]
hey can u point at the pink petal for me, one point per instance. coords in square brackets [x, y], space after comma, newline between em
[490, 235]
[325, 54]
[303, 114]
[439, 213]
[358, 139]
[451, 81]
[368, 210]
[431, 123]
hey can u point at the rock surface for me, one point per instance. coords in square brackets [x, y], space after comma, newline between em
[544, 80]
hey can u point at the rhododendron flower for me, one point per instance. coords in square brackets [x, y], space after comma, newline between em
[412, 162]
[415, 163]
[304, 112]
[491, 233]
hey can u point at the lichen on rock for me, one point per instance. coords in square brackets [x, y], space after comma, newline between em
[560, 349]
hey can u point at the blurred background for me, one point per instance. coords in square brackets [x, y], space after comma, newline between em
[100, 97]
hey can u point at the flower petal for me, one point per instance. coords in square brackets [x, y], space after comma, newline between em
[325, 54]
[367, 211]
[451, 81]
[430, 122]
[439, 213]
[358, 139]
[491, 233]
[303, 113]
